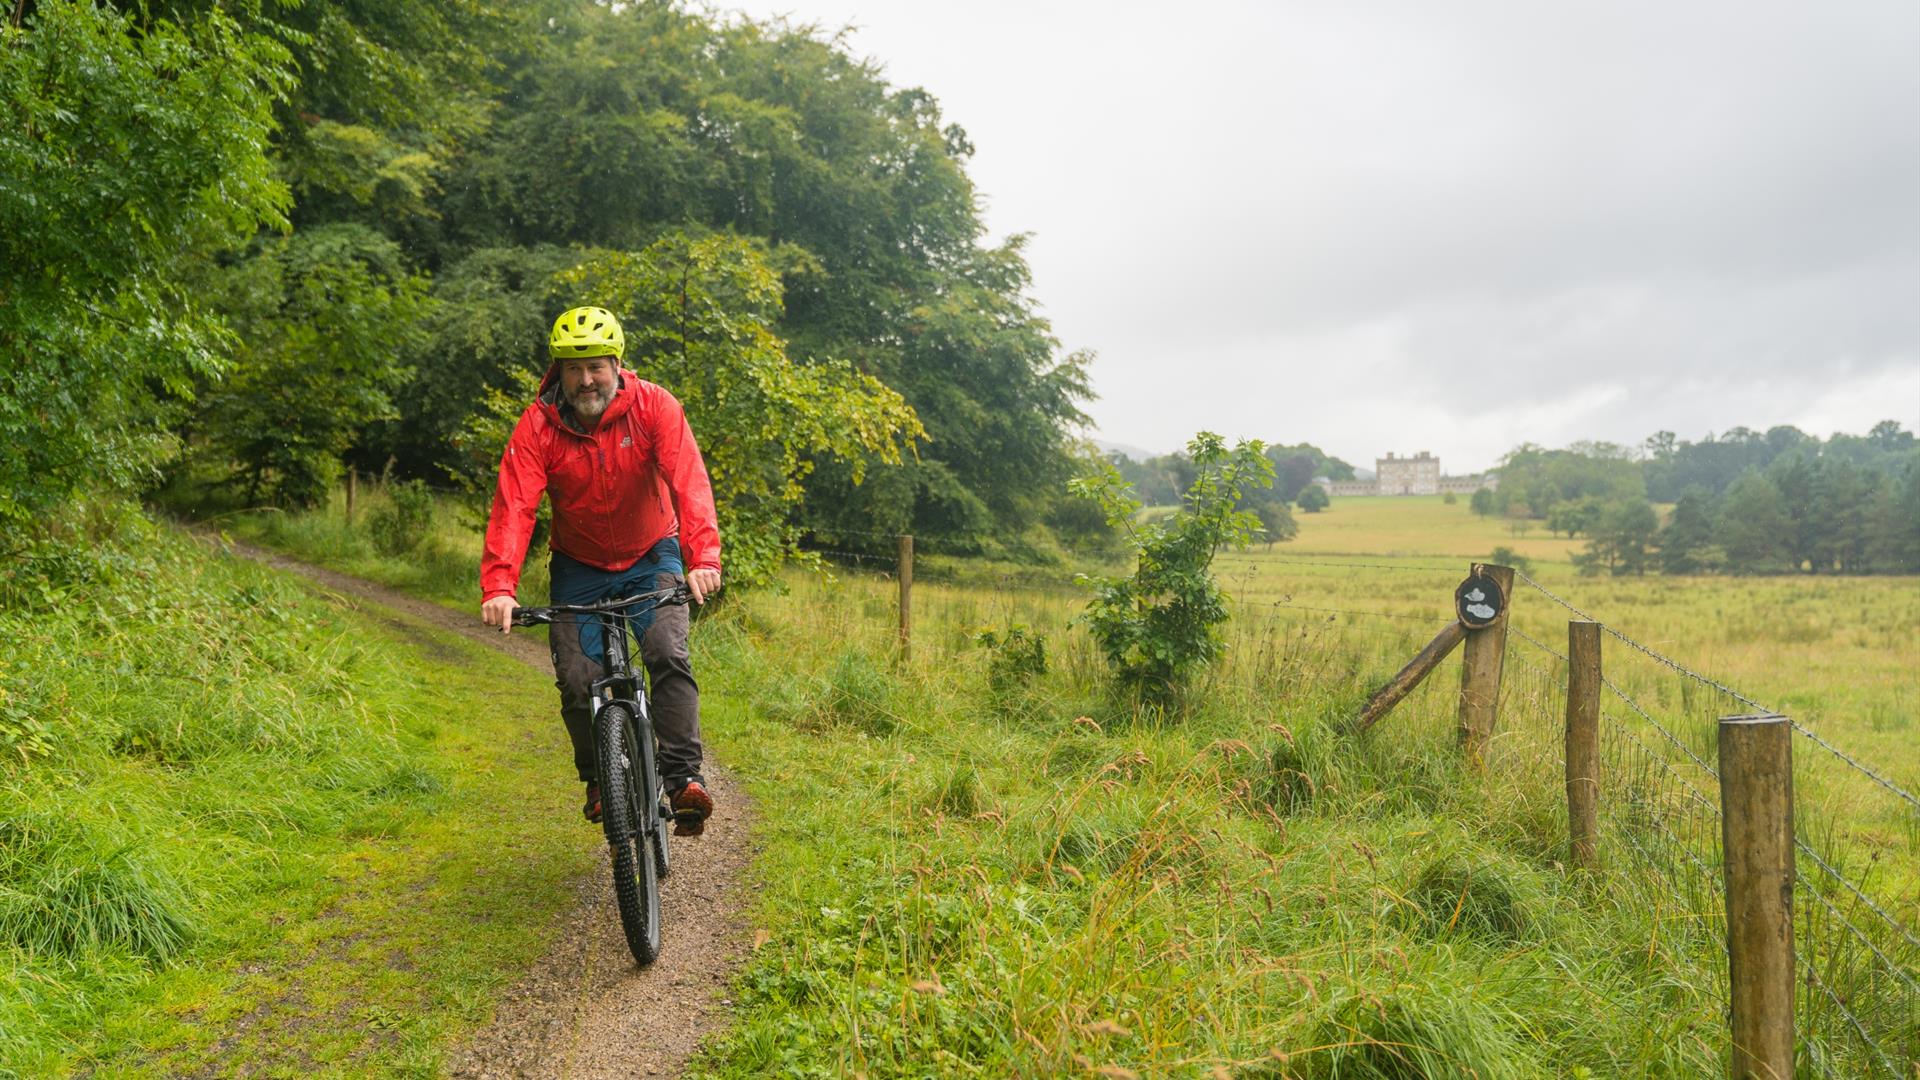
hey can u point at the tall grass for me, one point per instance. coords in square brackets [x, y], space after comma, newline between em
[1058, 884]
[1029, 879]
[190, 746]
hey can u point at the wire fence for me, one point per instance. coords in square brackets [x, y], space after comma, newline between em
[1857, 887]
[1858, 1008]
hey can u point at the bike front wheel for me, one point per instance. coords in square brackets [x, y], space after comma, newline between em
[636, 872]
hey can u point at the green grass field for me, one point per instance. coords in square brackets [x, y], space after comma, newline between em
[1035, 879]
[267, 833]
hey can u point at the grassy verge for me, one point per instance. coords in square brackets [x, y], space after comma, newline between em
[964, 881]
[249, 831]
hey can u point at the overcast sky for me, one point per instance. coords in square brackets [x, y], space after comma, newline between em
[1447, 226]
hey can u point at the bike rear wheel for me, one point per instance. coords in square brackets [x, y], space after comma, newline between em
[636, 877]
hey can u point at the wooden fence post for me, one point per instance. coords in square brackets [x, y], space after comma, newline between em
[1417, 669]
[905, 576]
[1756, 801]
[1481, 660]
[1583, 743]
[353, 481]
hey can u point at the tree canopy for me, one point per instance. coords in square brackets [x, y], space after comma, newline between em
[285, 237]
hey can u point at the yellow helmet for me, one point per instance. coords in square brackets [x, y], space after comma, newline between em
[586, 331]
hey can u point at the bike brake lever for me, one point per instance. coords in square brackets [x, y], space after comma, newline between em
[529, 617]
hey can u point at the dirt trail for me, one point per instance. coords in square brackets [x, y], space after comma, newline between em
[585, 1010]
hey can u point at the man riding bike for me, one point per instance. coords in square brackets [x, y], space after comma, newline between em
[632, 512]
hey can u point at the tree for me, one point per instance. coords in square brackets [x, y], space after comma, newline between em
[1686, 542]
[1620, 535]
[1160, 627]
[1314, 499]
[1535, 481]
[1482, 502]
[630, 121]
[1896, 522]
[1276, 521]
[134, 148]
[1752, 526]
[699, 313]
[1318, 463]
[330, 317]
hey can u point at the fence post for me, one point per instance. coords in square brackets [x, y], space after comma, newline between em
[1417, 669]
[905, 576]
[1583, 743]
[353, 481]
[1481, 659]
[1756, 800]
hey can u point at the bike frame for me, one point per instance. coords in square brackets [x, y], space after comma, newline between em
[621, 685]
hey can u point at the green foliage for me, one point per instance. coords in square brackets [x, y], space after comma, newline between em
[1506, 556]
[1294, 468]
[1482, 502]
[701, 312]
[1753, 525]
[133, 148]
[398, 525]
[1622, 535]
[1276, 521]
[1160, 627]
[1314, 499]
[1714, 463]
[632, 122]
[486, 335]
[1686, 541]
[1016, 657]
[328, 320]
[1534, 482]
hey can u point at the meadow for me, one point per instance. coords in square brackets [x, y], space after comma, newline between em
[247, 828]
[979, 862]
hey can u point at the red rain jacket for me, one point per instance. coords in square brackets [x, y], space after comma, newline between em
[614, 490]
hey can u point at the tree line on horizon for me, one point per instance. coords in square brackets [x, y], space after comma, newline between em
[1742, 502]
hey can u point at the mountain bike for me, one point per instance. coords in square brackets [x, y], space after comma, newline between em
[634, 809]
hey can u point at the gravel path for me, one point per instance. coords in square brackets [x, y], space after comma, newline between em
[585, 1009]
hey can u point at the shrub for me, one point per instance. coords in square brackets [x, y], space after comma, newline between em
[1473, 898]
[1506, 556]
[1160, 627]
[858, 693]
[1016, 658]
[400, 525]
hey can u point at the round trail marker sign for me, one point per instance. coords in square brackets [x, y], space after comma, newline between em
[1478, 601]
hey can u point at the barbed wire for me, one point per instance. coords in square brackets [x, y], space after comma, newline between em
[1542, 646]
[1860, 1029]
[1897, 926]
[1682, 669]
[1290, 605]
[1290, 561]
[1661, 760]
[1899, 791]
[1658, 726]
[1857, 932]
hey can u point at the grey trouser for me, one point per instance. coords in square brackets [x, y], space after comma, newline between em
[675, 697]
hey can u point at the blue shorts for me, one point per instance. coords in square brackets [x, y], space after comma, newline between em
[574, 582]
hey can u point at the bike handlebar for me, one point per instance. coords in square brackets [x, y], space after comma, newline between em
[535, 616]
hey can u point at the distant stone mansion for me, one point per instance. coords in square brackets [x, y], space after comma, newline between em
[1416, 475]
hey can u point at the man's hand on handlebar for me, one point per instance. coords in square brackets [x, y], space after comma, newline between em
[499, 612]
[702, 582]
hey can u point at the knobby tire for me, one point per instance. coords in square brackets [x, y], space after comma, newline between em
[636, 877]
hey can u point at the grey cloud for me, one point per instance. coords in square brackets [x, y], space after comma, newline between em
[1712, 208]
